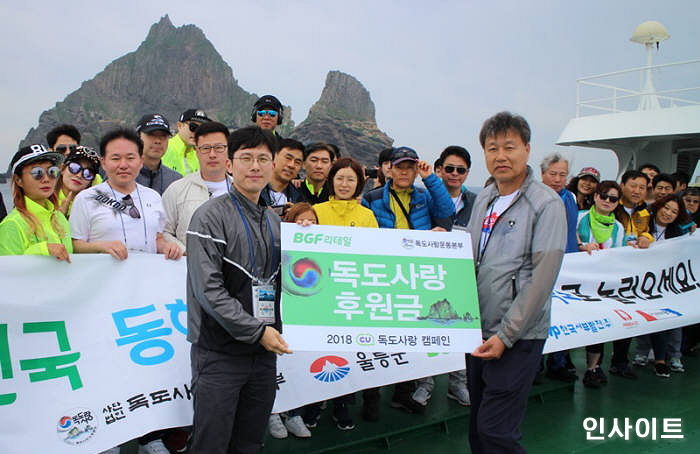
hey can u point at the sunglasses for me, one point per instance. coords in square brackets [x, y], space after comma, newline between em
[193, 126]
[272, 113]
[75, 169]
[38, 172]
[460, 170]
[63, 148]
[132, 210]
[606, 196]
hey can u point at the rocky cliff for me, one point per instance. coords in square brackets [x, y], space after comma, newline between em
[174, 68]
[344, 115]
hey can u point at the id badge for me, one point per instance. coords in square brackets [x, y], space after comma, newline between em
[264, 303]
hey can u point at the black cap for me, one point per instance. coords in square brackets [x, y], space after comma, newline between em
[268, 101]
[86, 153]
[153, 122]
[402, 154]
[33, 153]
[194, 115]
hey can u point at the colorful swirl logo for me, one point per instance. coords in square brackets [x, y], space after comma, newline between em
[64, 423]
[301, 277]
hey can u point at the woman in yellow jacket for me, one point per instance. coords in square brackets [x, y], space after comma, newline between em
[343, 208]
[34, 226]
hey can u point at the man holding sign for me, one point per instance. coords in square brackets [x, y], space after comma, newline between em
[518, 233]
[233, 320]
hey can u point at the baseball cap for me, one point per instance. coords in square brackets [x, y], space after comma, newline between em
[82, 152]
[34, 153]
[153, 122]
[268, 101]
[402, 154]
[194, 115]
[591, 172]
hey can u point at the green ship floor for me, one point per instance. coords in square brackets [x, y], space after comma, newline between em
[553, 424]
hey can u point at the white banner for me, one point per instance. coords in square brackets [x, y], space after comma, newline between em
[93, 353]
[625, 292]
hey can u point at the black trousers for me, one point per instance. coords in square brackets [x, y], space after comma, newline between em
[499, 391]
[233, 397]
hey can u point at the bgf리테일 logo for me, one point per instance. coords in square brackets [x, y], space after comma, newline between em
[76, 426]
[329, 369]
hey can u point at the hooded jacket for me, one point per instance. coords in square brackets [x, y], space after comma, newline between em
[16, 237]
[520, 262]
[428, 207]
[348, 213]
[221, 266]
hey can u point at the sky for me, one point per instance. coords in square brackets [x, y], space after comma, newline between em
[435, 70]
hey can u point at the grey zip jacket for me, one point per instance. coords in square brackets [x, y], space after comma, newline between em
[520, 263]
[220, 273]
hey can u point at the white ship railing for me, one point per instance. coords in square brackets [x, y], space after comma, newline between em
[674, 85]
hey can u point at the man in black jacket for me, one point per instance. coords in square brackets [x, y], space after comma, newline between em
[455, 163]
[234, 323]
[318, 160]
[279, 192]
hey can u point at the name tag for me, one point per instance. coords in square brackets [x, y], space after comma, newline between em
[264, 303]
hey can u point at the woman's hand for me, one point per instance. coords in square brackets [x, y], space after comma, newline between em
[59, 251]
[589, 247]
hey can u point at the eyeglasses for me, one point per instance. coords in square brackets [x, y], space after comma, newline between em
[247, 160]
[272, 113]
[38, 172]
[86, 173]
[460, 170]
[132, 210]
[606, 196]
[193, 126]
[218, 148]
[62, 148]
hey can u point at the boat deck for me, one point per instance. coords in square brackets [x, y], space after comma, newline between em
[553, 423]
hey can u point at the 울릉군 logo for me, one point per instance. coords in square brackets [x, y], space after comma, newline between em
[77, 426]
[329, 368]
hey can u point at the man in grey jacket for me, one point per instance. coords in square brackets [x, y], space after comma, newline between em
[233, 318]
[518, 232]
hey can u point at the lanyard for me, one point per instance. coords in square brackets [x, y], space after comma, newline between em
[252, 255]
[143, 217]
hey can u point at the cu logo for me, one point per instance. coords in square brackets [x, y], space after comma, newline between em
[365, 339]
[623, 315]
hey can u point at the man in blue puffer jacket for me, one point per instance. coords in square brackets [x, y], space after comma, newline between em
[401, 205]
